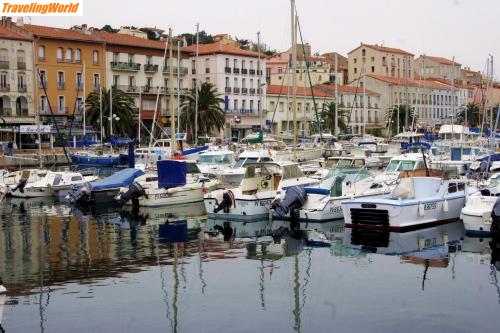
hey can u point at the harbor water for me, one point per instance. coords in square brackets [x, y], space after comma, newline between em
[104, 269]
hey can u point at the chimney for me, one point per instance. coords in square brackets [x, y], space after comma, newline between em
[20, 21]
[84, 27]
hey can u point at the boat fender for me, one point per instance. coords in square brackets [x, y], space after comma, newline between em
[421, 210]
[445, 206]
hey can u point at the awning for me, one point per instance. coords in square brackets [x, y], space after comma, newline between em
[17, 120]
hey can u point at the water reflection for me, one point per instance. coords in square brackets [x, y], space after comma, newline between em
[48, 248]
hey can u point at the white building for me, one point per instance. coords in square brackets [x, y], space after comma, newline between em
[239, 77]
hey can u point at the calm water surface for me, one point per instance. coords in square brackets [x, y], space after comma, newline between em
[172, 270]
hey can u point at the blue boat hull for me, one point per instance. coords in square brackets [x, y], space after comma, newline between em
[96, 160]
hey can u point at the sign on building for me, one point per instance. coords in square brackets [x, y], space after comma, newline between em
[29, 129]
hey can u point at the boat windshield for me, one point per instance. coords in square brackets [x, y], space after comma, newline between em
[216, 159]
[292, 171]
[397, 165]
[192, 168]
[338, 162]
[404, 190]
[242, 161]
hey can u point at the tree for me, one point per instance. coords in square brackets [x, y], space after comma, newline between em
[108, 28]
[210, 114]
[328, 117]
[203, 38]
[243, 43]
[123, 107]
[471, 113]
[391, 118]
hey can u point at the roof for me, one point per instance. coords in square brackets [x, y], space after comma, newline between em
[347, 90]
[423, 83]
[220, 48]
[383, 49]
[128, 40]
[440, 60]
[60, 33]
[301, 91]
[6, 33]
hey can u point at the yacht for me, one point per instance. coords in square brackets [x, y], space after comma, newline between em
[212, 163]
[261, 184]
[421, 199]
[235, 174]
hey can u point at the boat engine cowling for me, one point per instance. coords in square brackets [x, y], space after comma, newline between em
[135, 191]
[295, 197]
[21, 185]
[78, 193]
[226, 203]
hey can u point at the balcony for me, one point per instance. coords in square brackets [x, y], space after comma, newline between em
[125, 66]
[129, 88]
[5, 88]
[21, 65]
[78, 61]
[43, 84]
[41, 58]
[193, 71]
[149, 90]
[180, 70]
[236, 70]
[259, 72]
[227, 70]
[21, 89]
[252, 72]
[227, 90]
[150, 68]
[242, 111]
[252, 91]
[236, 90]
[244, 71]
[4, 64]
[244, 90]
[60, 60]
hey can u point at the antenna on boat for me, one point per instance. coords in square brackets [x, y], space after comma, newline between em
[427, 173]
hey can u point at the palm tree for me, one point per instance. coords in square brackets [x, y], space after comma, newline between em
[469, 112]
[328, 117]
[123, 107]
[210, 114]
[392, 118]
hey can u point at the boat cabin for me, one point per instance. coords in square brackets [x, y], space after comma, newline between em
[345, 161]
[267, 176]
[220, 157]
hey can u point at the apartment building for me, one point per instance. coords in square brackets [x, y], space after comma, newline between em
[16, 76]
[69, 65]
[140, 67]
[312, 71]
[380, 60]
[435, 102]
[239, 77]
[437, 67]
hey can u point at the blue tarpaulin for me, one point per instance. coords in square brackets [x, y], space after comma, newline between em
[171, 173]
[194, 150]
[117, 142]
[494, 158]
[416, 144]
[173, 232]
[121, 178]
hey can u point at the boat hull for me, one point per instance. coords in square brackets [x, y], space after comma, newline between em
[164, 197]
[242, 209]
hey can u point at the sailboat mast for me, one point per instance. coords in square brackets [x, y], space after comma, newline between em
[100, 112]
[294, 78]
[336, 131]
[178, 86]
[196, 86]
[171, 91]
[83, 106]
[139, 124]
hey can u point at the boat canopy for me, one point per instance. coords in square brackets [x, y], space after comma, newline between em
[171, 173]
[121, 178]
[416, 144]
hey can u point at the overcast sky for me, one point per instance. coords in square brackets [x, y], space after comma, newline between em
[466, 29]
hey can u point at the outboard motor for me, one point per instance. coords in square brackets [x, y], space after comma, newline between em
[495, 219]
[135, 191]
[295, 197]
[226, 203]
[21, 185]
[79, 193]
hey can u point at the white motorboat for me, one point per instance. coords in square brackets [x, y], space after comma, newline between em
[323, 203]
[235, 174]
[12, 179]
[261, 184]
[58, 183]
[421, 199]
[476, 214]
[177, 182]
[212, 163]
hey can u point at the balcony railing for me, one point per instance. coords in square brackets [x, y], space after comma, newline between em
[193, 70]
[60, 60]
[150, 68]
[21, 89]
[149, 90]
[227, 89]
[5, 111]
[244, 71]
[252, 91]
[252, 71]
[227, 69]
[5, 88]
[236, 70]
[180, 70]
[4, 64]
[259, 72]
[41, 58]
[243, 111]
[60, 85]
[21, 65]
[236, 90]
[244, 90]
[125, 66]
[129, 88]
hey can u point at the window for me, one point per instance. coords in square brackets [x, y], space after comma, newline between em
[452, 187]
[59, 54]
[79, 83]
[21, 58]
[355, 70]
[149, 60]
[251, 104]
[61, 104]
[373, 69]
[79, 104]
[116, 57]
[235, 105]
[130, 58]
[43, 103]
[258, 105]
[95, 56]
[21, 82]
[243, 83]
[69, 54]
[116, 80]
[41, 52]
[373, 59]
[207, 65]
[363, 52]
[235, 63]
[4, 82]
[235, 82]
[131, 81]
[243, 104]
[227, 82]
[97, 82]
[78, 55]
[60, 80]
[355, 60]
[282, 107]
[227, 62]
[43, 78]
[251, 64]
[243, 64]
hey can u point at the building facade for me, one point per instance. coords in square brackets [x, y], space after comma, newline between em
[239, 77]
[438, 67]
[379, 60]
[16, 76]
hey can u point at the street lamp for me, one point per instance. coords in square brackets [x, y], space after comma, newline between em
[114, 117]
